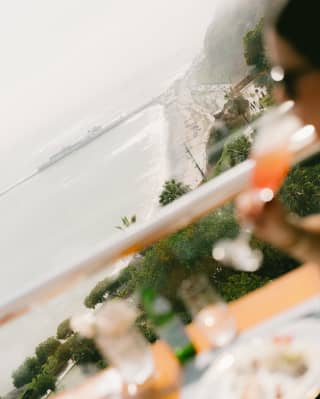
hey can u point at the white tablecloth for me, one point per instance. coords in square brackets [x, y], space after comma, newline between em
[193, 371]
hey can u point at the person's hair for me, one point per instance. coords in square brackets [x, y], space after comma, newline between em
[297, 21]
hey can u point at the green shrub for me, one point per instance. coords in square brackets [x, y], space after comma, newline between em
[97, 294]
[39, 387]
[26, 372]
[301, 191]
[84, 351]
[64, 330]
[64, 352]
[54, 366]
[254, 51]
[146, 328]
[46, 349]
[43, 383]
[171, 191]
[234, 152]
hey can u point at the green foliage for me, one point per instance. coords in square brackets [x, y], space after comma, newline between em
[275, 262]
[97, 294]
[43, 382]
[215, 146]
[26, 372]
[236, 111]
[266, 101]
[80, 350]
[218, 133]
[236, 106]
[146, 328]
[64, 352]
[238, 150]
[101, 364]
[39, 387]
[188, 251]
[126, 222]
[232, 284]
[84, 350]
[29, 393]
[312, 161]
[171, 191]
[234, 116]
[254, 51]
[46, 349]
[301, 191]
[234, 152]
[54, 366]
[241, 107]
[224, 61]
[64, 330]
[123, 286]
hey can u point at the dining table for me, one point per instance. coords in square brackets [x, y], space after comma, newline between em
[292, 299]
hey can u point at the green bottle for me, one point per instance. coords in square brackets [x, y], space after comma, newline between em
[167, 324]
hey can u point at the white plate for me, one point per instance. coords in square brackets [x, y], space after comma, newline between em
[245, 372]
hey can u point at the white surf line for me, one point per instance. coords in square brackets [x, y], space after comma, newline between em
[68, 150]
[18, 183]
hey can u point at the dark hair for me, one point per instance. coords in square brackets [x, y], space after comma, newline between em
[297, 21]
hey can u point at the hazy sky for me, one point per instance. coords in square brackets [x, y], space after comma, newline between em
[61, 60]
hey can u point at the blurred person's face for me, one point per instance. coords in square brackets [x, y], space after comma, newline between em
[302, 83]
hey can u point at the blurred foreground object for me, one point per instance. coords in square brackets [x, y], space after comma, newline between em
[272, 155]
[145, 372]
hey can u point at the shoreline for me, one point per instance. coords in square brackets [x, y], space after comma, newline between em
[189, 125]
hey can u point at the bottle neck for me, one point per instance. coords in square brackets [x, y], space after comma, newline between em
[185, 353]
[168, 326]
[174, 333]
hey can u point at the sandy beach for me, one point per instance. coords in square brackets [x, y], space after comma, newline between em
[189, 113]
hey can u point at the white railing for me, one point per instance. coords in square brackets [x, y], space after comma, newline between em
[169, 219]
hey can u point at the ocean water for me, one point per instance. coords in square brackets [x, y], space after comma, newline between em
[76, 203]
